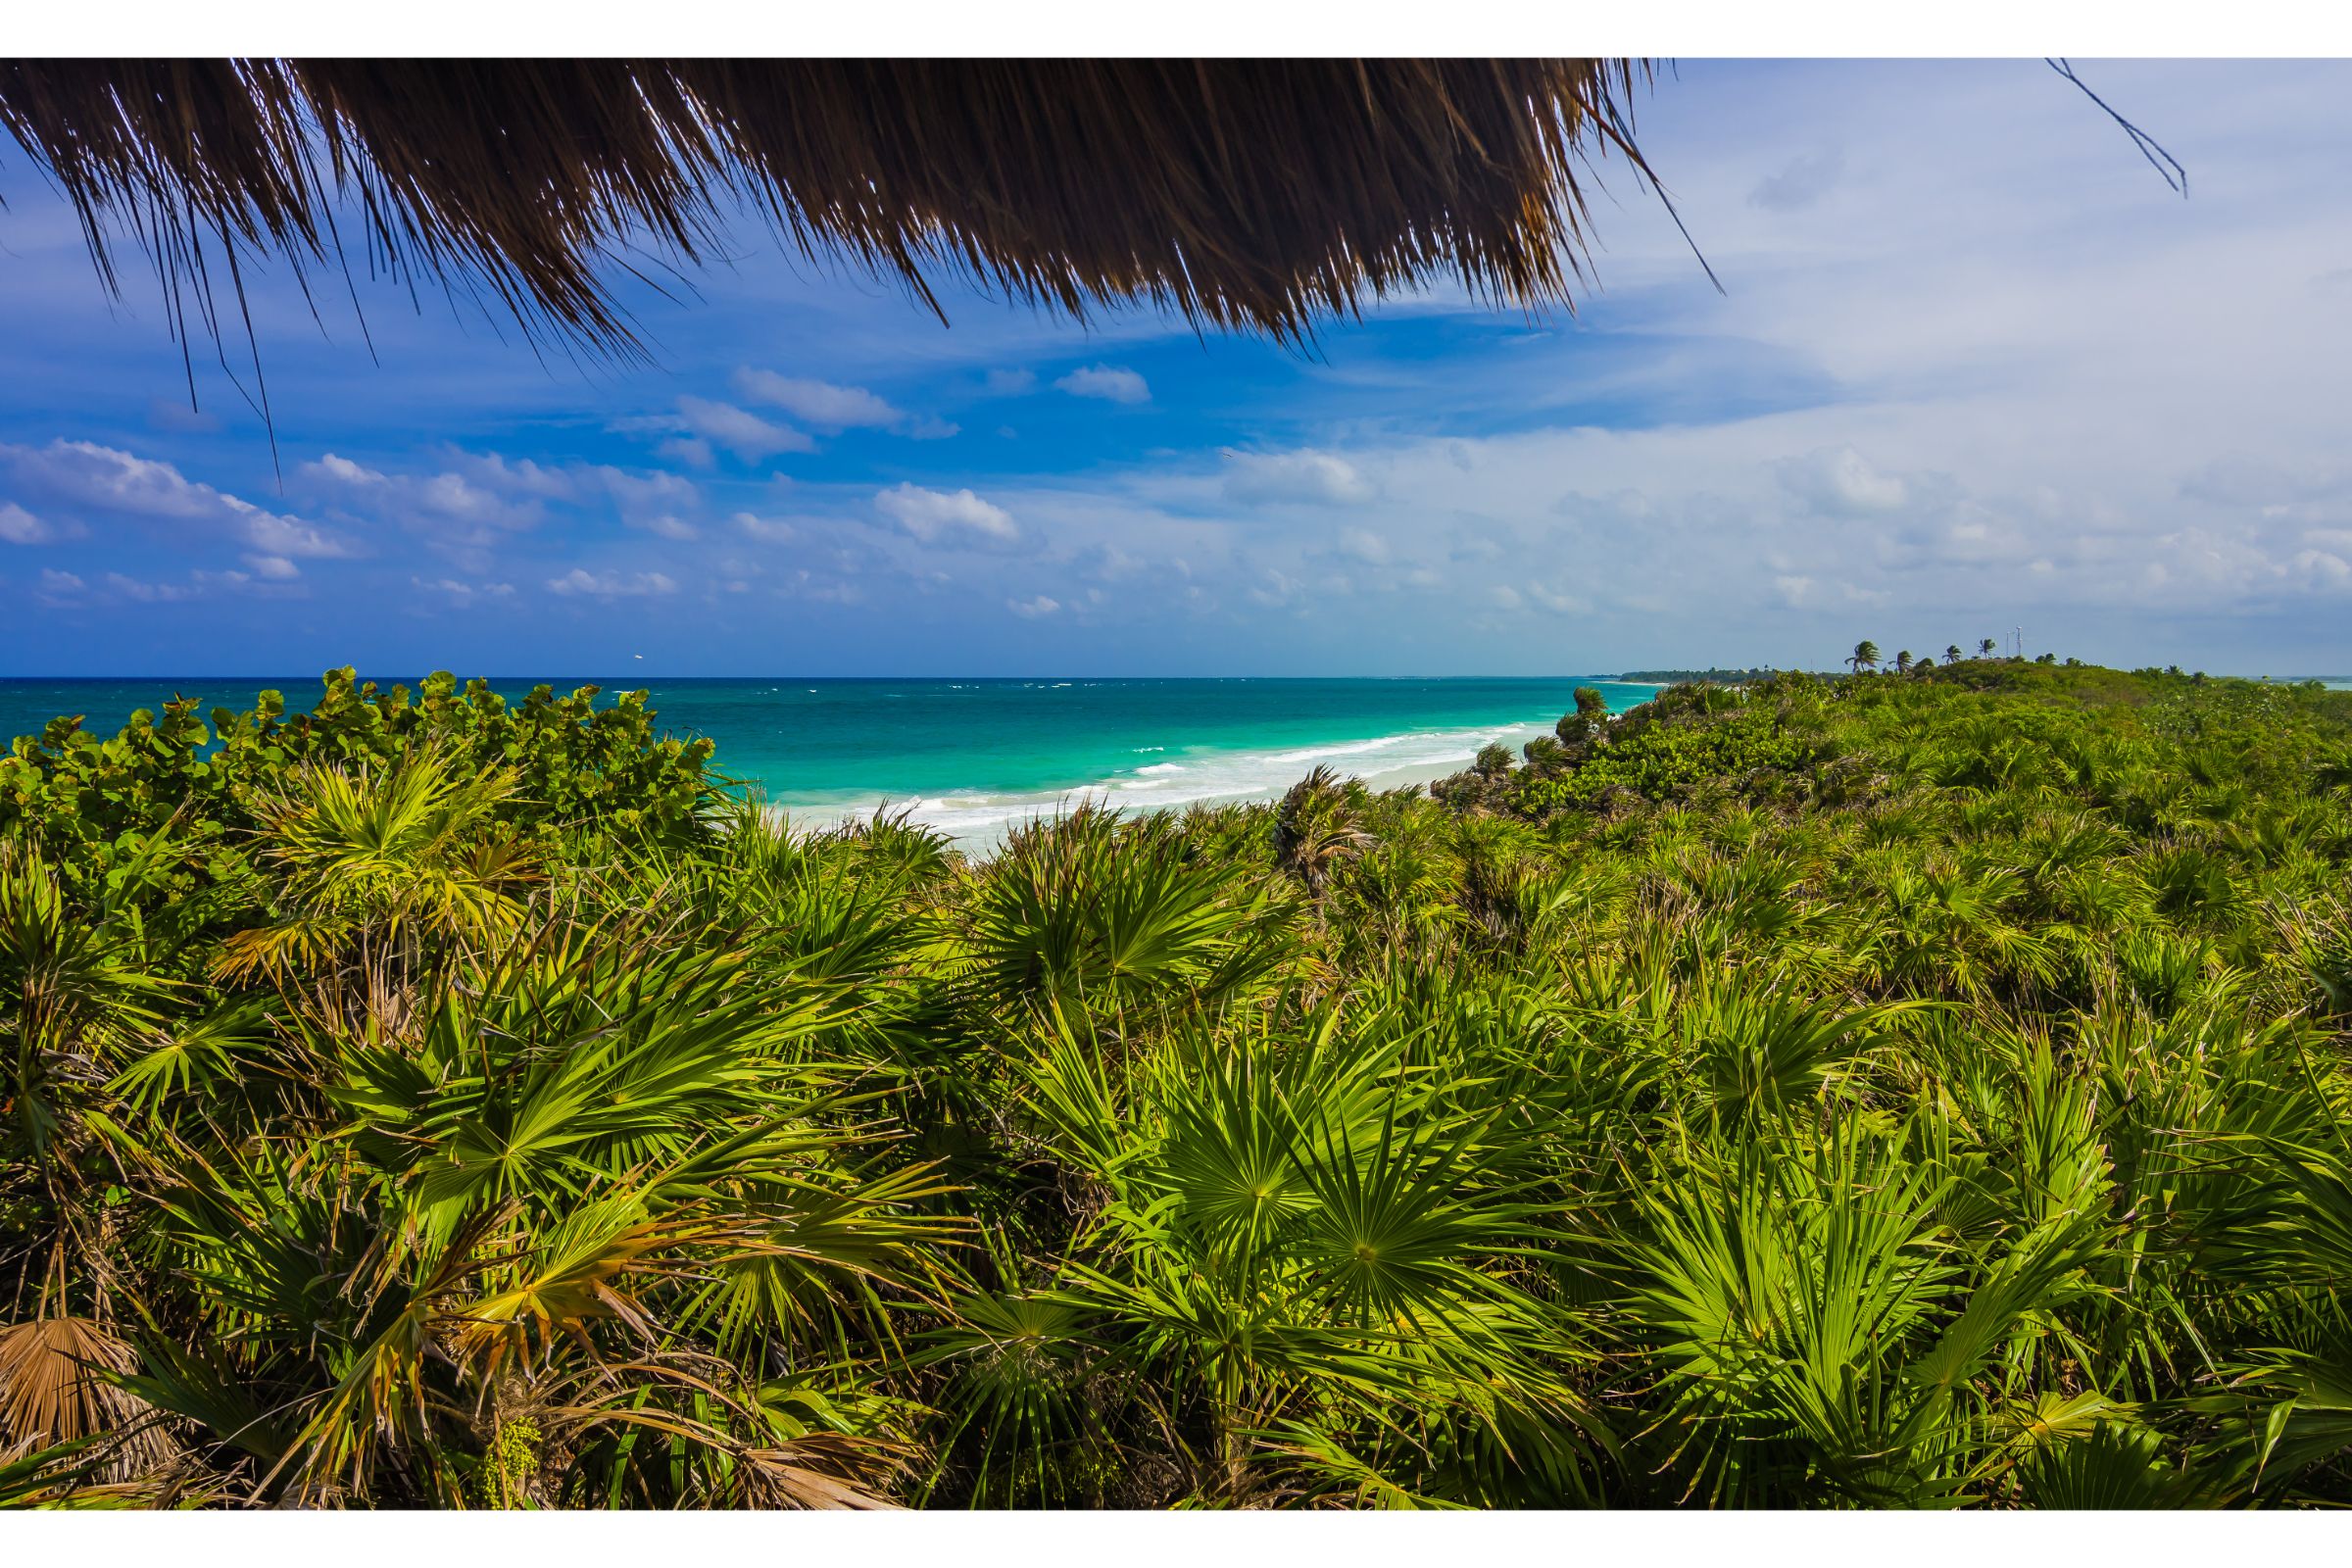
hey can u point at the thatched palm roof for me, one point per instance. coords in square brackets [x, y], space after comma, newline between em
[1255, 195]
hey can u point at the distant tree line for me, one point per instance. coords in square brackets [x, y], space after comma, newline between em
[1679, 678]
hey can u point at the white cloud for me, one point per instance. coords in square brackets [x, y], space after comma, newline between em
[276, 569]
[2324, 569]
[155, 593]
[1010, 384]
[21, 527]
[819, 403]
[1316, 477]
[463, 512]
[692, 451]
[462, 595]
[517, 475]
[345, 471]
[670, 527]
[1033, 608]
[768, 530]
[1110, 382]
[612, 584]
[739, 430]
[643, 497]
[936, 515]
[114, 481]
[103, 476]
[277, 535]
[1838, 481]
[1361, 544]
[60, 582]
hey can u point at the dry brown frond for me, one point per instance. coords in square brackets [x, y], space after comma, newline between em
[52, 1391]
[1259, 195]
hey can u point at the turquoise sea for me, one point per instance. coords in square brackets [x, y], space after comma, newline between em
[972, 758]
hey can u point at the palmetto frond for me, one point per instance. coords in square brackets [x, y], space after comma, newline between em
[406, 853]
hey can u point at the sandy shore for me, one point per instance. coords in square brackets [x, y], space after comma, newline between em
[983, 838]
[1399, 777]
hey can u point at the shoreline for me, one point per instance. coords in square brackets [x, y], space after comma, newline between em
[980, 826]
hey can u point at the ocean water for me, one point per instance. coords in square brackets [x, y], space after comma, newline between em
[973, 757]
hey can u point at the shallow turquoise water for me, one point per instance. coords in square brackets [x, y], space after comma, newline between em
[971, 756]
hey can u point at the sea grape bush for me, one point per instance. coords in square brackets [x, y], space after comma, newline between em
[158, 811]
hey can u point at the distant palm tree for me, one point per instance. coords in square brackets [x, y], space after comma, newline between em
[1951, 655]
[1865, 657]
[1902, 663]
[1985, 647]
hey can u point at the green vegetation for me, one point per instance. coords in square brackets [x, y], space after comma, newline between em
[1863, 1092]
[1682, 677]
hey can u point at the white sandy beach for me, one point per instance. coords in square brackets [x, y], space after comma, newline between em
[976, 822]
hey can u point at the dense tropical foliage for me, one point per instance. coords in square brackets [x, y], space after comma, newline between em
[1889, 1090]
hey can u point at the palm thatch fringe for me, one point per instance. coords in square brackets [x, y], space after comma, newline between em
[1259, 196]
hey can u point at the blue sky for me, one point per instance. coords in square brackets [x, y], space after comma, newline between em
[1974, 366]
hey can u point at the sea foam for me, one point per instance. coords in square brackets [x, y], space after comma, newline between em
[976, 820]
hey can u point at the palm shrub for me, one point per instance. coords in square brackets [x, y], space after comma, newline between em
[1815, 1093]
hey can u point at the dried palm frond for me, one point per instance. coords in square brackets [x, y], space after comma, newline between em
[55, 1388]
[1251, 195]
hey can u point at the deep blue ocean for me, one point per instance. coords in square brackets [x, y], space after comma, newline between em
[972, 756]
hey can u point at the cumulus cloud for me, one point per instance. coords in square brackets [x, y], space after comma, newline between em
[465, 509]
[517, 475]
[464, 595]
[643, 497]
[1033, 608]
[450, 496]
[2323, 567]
[21, 527]
[1110, 382]
[1314, 477]
[279, 536]
[1838, 481]
[342, 471]
[739, 430]
[768, 530]
[463, 512]
[60, 582]
[157, 592]
[1361, 544]
[819, 403]
[610, 584]
[936, 516]
[103, 476]
[109, 479]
